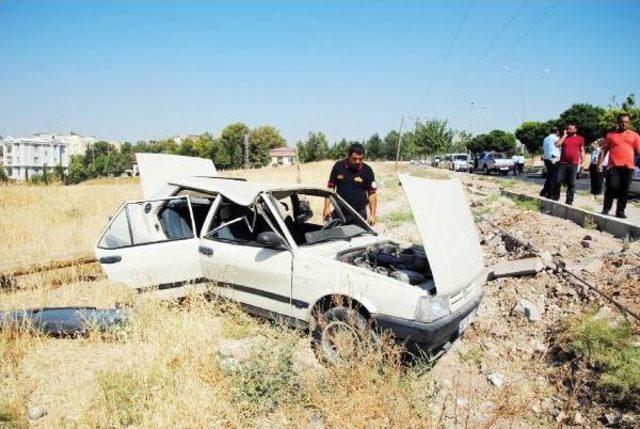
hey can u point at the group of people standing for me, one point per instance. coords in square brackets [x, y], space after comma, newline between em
[612, 160]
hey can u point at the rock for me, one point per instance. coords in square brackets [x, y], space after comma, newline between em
[578, 419]
[35, 413]
[316, 421]
[547, 259]
[240, 350]
[496, 378]
[588, 237]
[609, 418]
[518, 267]
[586, 244]
[527, 309]
[539, 347]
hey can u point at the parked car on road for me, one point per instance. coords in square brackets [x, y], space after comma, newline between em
[459, 162]
[435, 162]
[267, 246]
[495, 162]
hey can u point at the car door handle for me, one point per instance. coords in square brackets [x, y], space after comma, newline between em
[207, 251]
[114, 259]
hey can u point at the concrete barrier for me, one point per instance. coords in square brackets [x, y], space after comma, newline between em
[617, 227]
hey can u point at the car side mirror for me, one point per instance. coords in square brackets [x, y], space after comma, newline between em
[270, 240]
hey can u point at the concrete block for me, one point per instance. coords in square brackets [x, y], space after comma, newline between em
[518, 267]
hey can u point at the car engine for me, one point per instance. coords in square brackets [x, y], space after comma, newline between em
[409, 265]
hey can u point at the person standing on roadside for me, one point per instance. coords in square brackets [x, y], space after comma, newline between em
[594, 172]
[571, 155]
[551, 155]
[355, 182]
[622, 145]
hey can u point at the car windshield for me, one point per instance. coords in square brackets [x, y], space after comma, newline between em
[498, 156]
[460, 157]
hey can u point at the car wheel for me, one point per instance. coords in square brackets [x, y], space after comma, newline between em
[340, 334]
[485, 170]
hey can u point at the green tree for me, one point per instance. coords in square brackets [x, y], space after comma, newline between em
[460, 143]
[628, 106]
[339, 149]
[232, 139]
[374, 147]
[532, 133]
[432, 136]
[261, 141]
[315, 148]
[77, 169]
[3, 174]
[589, 119]
[496, 140]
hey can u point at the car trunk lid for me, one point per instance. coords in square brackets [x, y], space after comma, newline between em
[447, 230]
[156, 170]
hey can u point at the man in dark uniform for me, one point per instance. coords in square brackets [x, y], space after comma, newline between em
[355, 182]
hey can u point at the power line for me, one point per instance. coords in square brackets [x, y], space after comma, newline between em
[529, 30]
[495, 39]
[450, 47]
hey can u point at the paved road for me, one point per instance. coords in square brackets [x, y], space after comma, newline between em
[582, 184]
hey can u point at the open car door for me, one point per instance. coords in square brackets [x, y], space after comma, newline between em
[151, 243]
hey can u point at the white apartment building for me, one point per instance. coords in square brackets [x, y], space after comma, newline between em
[76, 143]
[26, 156]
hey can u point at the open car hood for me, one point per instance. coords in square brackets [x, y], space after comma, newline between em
[447, 229]
[157, 170]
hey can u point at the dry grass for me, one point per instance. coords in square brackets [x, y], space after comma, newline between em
[164, 370]
[39, 223]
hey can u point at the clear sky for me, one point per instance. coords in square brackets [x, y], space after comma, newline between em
[151, 69]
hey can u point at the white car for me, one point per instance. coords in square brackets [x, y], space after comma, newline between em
[634, 188]
[460, 162]
[266, 246]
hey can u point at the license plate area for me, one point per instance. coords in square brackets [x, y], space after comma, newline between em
[467, 321]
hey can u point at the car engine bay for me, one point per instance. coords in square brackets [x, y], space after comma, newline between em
[406, 264]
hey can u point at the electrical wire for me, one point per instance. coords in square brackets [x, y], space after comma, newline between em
[450, 47]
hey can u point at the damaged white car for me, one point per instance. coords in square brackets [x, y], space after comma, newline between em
[267, 247]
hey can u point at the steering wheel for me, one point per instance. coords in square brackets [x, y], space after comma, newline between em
[331, 223]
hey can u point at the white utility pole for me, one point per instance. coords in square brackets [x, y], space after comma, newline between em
[399, 142]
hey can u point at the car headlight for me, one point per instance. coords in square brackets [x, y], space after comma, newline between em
[432, 308]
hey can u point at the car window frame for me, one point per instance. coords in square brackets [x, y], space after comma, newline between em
[150, 200]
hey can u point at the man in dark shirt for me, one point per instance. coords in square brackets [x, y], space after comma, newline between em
[571, 155]
[355, 182]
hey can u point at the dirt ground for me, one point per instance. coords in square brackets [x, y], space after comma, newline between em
[528, 387]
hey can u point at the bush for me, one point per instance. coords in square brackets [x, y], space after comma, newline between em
[609, 348]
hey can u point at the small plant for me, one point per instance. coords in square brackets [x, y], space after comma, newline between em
[527, 204]
[398, 218]
[609, 348]
[589, 223]
[268, 378]
[473, 356]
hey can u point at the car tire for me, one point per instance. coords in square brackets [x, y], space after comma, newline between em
[485, 170]
[340, 334]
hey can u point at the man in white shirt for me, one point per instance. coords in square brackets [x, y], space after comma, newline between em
[594, 172]
[551, 152]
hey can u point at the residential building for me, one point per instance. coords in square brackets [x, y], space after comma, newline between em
[27, 156]
[76, 143]
[282, 156]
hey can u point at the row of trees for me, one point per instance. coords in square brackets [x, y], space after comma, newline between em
[429, 137]
[226, 151]
[592, 121]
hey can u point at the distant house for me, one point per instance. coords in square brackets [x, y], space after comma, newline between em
[282, 156]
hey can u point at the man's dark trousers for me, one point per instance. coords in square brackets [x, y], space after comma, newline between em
[618, 182]
[551, 187]
[569, 172]
[596, 179]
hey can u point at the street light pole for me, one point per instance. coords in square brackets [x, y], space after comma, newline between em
[399, 142]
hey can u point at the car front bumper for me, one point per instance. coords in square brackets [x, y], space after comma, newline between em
[427, 335]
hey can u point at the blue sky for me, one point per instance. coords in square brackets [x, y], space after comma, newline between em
[151, 69]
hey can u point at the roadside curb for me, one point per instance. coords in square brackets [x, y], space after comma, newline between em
[616, 227]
